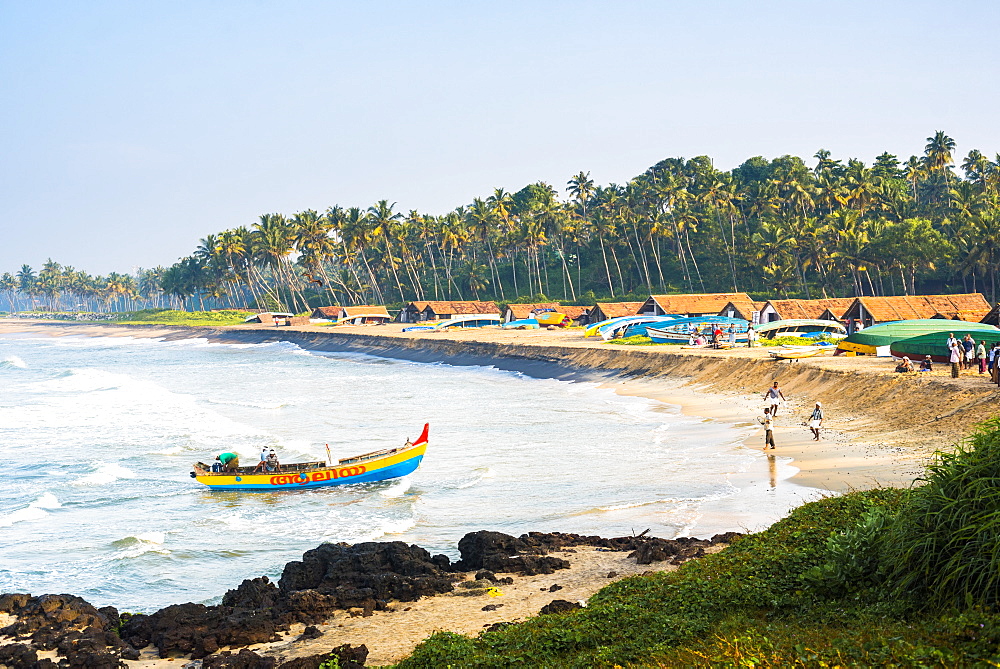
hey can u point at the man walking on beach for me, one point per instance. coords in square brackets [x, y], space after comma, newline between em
[816, 421]
[774, 397]
[768, 424]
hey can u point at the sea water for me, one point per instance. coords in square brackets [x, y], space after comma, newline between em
[98, 434]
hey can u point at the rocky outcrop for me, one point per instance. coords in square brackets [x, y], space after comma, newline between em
[359, 578]
[498, 552]
[83, 635]
[333, 576]
[369, 574]
[255, 612]
[559, 606]
[347, 657]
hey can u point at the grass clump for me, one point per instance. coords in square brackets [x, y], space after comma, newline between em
[173, 317]
[794, 341]
[637, 340]
[945, 550]
[887, 577]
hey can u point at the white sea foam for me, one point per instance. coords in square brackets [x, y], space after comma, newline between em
[36, 510]
[390, 527]
[13, 361]
[139, 544]
[106, 472]
[478, 476]
[397, 489]
[46, 501]
[252, 405]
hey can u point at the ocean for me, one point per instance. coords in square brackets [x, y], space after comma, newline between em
[98, 435]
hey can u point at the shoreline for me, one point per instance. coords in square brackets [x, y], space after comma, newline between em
[881, 428]
[857, 451]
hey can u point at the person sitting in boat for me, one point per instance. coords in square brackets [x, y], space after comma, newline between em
[904, 365]
[229, 461]
[927, 365]
[263, 459]
[271, 464]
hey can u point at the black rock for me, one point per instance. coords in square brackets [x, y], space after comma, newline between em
[368, 571]
[499, 552]
[348, 657]
[559, 606]
[726, 537]
[18, 655]
[310, 632]
[245, 659]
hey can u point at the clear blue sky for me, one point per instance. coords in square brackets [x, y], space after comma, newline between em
[132, 129]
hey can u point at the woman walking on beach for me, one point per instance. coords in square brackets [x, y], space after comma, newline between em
[816, 421]
[981, 356]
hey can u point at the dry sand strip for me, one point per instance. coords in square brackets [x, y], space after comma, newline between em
[392, 635]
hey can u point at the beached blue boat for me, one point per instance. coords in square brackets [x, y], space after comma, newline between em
[631, 326]
[800, 327]
[522, 324]
[679, 330]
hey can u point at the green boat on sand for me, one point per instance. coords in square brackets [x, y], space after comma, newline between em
[869, 340]
[936, 344]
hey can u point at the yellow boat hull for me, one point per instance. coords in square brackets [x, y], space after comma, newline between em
[361, 469]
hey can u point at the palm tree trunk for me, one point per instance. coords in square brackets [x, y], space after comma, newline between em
[607, 269]
[687, 238]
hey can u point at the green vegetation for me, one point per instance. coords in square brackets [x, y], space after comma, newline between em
[172, 317]
[768, 227]
[637, 340]
[794, 341]
[879, 578]
[641, 340]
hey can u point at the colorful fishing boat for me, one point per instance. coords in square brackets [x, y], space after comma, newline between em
[795, 352]
[522, 324]
[380, 465]
[634, 326]
[799, 327]
[363, 319]
[470, 321]
[936, 344]
[882, 336]
[550, 317]
[679, 330]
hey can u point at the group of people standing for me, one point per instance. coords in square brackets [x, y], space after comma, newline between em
[966, 353]
[774, 397]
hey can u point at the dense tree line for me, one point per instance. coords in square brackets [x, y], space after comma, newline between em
[770, 227]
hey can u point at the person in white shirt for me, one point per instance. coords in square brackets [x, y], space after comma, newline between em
[263, 458]
[816, 421]
[768, 424]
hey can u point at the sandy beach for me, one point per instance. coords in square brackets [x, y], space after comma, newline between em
[880, 429]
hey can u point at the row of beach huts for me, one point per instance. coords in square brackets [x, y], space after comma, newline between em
[860, 311]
